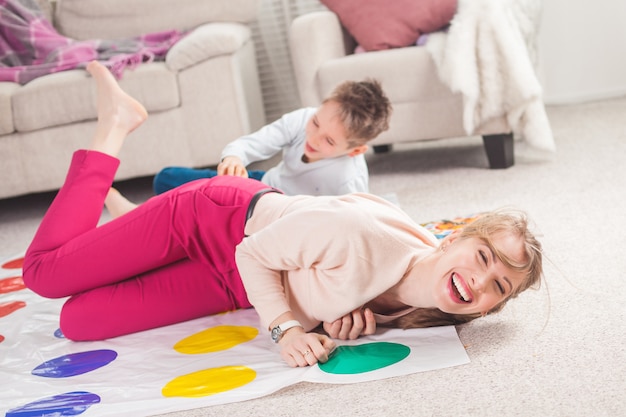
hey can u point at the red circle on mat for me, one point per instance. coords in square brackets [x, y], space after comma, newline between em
[10, 307]
[14, 264]
[11, 284]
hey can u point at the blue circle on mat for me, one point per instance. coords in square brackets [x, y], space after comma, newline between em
[68, 404]
[75, 363]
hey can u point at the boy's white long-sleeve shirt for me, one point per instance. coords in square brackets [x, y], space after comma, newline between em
[334, 176]
[323, 257]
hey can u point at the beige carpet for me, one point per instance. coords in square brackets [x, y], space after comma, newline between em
[555, 352]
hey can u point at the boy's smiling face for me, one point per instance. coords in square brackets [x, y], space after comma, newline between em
[326, 136]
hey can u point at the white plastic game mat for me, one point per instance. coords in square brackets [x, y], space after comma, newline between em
[208, 361]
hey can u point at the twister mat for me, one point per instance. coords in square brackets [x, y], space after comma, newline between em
[208, 361]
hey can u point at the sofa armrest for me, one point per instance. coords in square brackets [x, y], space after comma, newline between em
[314, 38]
[205, 42]
[6, 110]
[115, 19]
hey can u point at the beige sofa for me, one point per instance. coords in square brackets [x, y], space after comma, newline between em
[203, 96]
[423, 107]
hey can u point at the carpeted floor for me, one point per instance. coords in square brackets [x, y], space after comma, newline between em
[559, 351]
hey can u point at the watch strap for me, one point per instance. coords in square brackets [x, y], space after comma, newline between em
[288, 325]
[279, 330]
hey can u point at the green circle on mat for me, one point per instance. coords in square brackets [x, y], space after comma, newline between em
[364, 358]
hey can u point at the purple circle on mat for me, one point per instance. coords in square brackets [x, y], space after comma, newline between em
[68, 404]
[59, 334]
[75, 363]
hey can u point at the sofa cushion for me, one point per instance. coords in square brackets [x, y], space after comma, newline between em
[70, 96]
[383, 24]
[114, 19]
[6, 112]
[205, 42]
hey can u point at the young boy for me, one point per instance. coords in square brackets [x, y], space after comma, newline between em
[322, 147]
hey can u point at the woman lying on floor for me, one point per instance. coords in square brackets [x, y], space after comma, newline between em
[228, 242]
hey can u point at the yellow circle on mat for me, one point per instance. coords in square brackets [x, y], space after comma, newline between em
[209, 381]
[216, 339]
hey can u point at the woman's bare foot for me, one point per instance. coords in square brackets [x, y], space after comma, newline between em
[118, 113]
[117, 204]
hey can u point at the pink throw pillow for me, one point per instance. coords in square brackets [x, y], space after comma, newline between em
[385, 24]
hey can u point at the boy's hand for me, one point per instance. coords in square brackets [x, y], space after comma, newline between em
[360, 322]
[232, 165]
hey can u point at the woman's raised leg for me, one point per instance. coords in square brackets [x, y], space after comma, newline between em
[118, 113]
[78, 205]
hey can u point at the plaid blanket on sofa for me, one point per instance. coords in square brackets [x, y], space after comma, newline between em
[30, 46]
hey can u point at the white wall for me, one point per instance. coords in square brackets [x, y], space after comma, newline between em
[582, 50]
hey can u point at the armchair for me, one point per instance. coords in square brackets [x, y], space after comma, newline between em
[424, 108]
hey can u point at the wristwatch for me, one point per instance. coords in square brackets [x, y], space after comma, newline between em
[278, 331]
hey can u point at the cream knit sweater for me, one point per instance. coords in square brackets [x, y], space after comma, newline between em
[322, 257]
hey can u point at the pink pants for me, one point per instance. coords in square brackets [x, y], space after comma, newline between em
[168, 261]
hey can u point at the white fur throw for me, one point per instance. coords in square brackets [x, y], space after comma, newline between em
[487, 55]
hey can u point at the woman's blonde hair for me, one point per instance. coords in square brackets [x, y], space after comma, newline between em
[486, 227]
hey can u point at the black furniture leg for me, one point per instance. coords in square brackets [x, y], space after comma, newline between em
[499, 150]
[382, 148]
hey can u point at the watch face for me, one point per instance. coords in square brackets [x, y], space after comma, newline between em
[276, 332]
